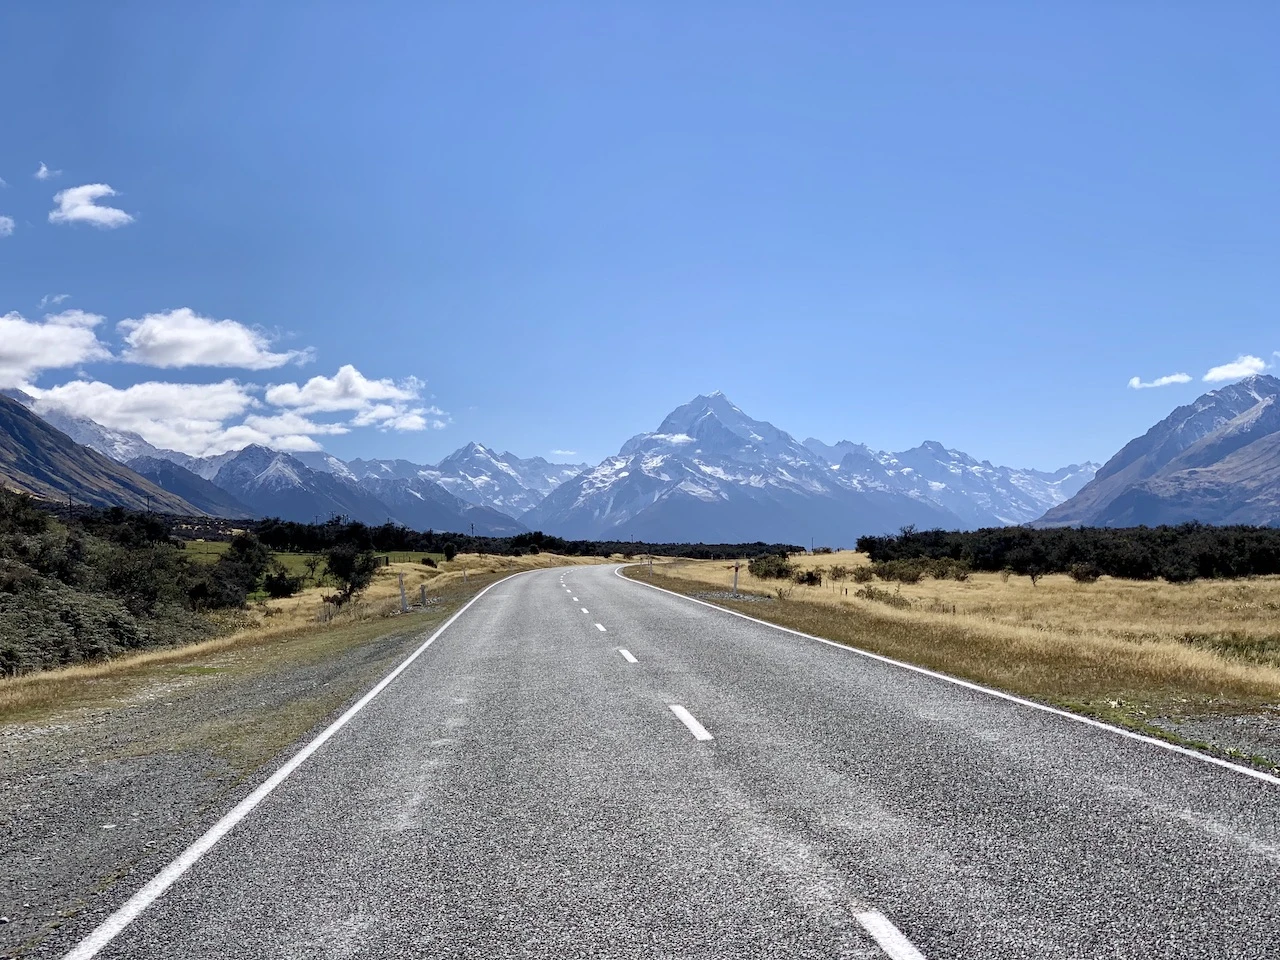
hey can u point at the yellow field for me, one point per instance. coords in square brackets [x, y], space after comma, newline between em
[1120, 649]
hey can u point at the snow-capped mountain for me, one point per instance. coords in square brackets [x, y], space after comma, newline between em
[1216, 460]
[425, 505]
[120, 445]
[980, 493]
[712, 473]
[480, 476]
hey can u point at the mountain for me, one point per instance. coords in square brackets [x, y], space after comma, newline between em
[980, 493]
[502, 481]
[36, 458]
[712, 473]
[1216, 460]
[425, 505]
[201, 493]
[120, 445]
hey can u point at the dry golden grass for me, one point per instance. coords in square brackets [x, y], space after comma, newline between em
[1112, 647]
[269, 629]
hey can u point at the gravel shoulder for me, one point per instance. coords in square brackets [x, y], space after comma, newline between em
[98, 796]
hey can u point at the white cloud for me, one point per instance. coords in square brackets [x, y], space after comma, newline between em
[3, 182]
[188, 417]
[183, 338]
[79, 205]
[60, 340]
[385, 404]
[1138, 384]
[53, 299]
[6, 226]
[294, 423]
[348, 389]
[44, 173]
[564, 453]
[1243, 366]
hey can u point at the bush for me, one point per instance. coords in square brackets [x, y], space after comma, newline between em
[428, 562]
[823, 550]
[808, 578]
[902, 571]
[278, 584]
[838, 573]
[883, 596]
[1085, 572]
[771, 568]
[863, 574]
[450, 551]
[948, 569]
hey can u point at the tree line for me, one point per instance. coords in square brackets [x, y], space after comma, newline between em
[1178, 554]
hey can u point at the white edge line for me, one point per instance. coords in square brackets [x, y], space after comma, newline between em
[628, 656]
[890, 939]
[698, 730]
[600, 627]
[111, 927]
[969, 685]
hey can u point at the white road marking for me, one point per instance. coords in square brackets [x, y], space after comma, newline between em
[584, 609]
[111, 927]
[891, 940]
[977, 687]
[600, 627]
[575, 599]
[626, 655]
[698, 730]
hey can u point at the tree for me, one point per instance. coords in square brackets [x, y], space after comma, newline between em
[450, 551]
[351, 569]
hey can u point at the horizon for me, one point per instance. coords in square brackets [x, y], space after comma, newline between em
[1027, 239]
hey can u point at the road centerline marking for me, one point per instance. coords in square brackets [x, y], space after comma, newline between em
[584, 609]
[627, 656]
[889, 938]
[599, 626]
[698, 730]
[575, 600]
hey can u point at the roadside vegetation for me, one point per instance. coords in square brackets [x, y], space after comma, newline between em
[1129, 651]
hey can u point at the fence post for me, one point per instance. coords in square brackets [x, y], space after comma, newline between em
[404, 601]
[423, 594]
[735, 577]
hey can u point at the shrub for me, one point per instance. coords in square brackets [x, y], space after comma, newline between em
[808, 578]
[450, 551]
[1085, 572]
[902, 571]
[883, 596]
[838, 573]
[823, 550]
[863, 574]
[945, 569]
[278, 584]
[428, 562]
[771, 568]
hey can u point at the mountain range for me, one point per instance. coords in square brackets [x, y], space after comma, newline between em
[709, 472]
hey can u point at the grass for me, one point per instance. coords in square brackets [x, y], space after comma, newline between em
[1120, 650]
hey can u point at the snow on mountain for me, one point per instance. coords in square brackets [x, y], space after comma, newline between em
[978, 492]
[120, 445]
[712, 473]
[1216, 460]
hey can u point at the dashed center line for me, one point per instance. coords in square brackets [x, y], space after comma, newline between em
[600, 627]
[891, 940]
[584, 609]
[575, 599]
[626, 655]
[698, 730]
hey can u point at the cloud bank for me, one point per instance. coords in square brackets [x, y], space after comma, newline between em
[1243, 366]
[183, 338]
[60, 340]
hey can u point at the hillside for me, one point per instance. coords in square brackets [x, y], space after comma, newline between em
[1216, 460]
[37, 459]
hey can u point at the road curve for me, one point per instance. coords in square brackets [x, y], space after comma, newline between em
[582, 766]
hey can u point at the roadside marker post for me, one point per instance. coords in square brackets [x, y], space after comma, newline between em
[736, 566]
[422, 592]
[404, 600]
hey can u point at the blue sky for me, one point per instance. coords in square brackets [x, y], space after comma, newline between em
[542, 226]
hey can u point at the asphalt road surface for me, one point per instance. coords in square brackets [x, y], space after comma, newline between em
[581, 766]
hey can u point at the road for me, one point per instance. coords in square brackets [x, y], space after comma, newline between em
[527, 787]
